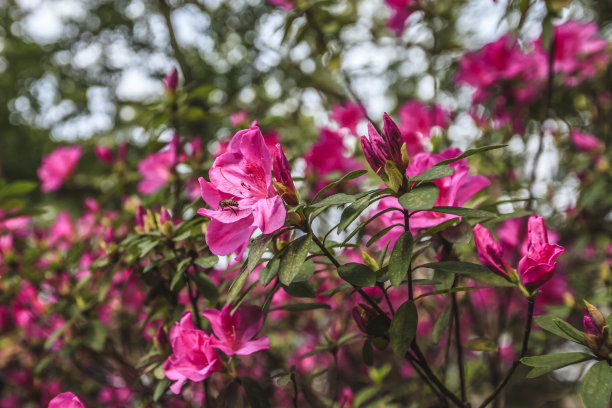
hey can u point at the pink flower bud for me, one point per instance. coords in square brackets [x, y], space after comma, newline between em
[104, 154]
[362, 315]
[282, 173]
[66, 400]
[538, 265]
[394, 138]
[141, 214]
[490, 251]
[375, 150]
[171, 81]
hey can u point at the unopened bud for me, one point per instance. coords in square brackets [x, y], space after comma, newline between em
[171, 81]
[362, 315]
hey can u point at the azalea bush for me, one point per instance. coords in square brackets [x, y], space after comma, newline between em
[227, 244]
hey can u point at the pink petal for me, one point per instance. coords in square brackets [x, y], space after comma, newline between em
[253, 346]
[269, 214]
[224, 239]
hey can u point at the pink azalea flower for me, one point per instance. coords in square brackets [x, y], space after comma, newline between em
[156, 169]
[57, 166]
[585, 141]
[104, 154]
[286, 5]
[579, 51]
[416, 122]
[536, 267]
[238, 118]
[401, 10]
[270, 139]
[348, 115]
[327, 155]
[193, 357]
[66, 400]
[455, 191]
[243, 174]
[171, 81]
[490, 252]
[235, 332]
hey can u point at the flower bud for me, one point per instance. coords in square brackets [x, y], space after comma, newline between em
[362, 315]
[593, 321]
[282, 173]
[104, 154]
[141, 215]
[490, 251]
[394, 139]
[171, 81]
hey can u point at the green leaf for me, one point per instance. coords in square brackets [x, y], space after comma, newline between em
[306, 271]
[207, 262]
[469, 153]
[357, 274]
[56, 334]
[206, 286]
[350, 176]
[338, 289]
[17, 188]
[301, 307]
[256, 250]
[254, 393]
[481, 345]
[596, 386]
[547, 322]
[95, 334]
[367, 353]
[549, 362]
[381, 233]
[336, 199]
[434, 173]
[293, 258]
[441, 324]
[400, 259]
[574, 334]
[403, 328]
[464, 212]
[160, 389]
[450, 290]
[269, 272]
[422, 197]
[474, 271]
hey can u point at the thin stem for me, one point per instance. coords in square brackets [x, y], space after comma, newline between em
[166, 12]
[295, 390]
[194, 303]
[455, 309]
[517, 361]
[331, 257]
[387, 299]
[419, 370]
[409, 273]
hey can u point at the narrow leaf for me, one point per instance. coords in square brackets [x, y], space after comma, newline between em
[403, 328]
[469, 153]
[350, 176]
[464, 212]
[293, 259]
[400, 259]
[434, 173]
[549, 362]
[257, 249]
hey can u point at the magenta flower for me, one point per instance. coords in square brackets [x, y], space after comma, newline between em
[238, 118]
[284, 182]
[66, 400]
[579, 51]
[242, 175]
[348, 115]
[193, 357]
[416, 120]
[401, 10]
[156, 169]
[589, 324]
[57, 166]
[286, 5]
[327, 155]
[171, 81]
[490, 252]
[378, 150]
[536, 267]
[585, 141]
[234, 333]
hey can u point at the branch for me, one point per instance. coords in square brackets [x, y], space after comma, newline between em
[517, 361]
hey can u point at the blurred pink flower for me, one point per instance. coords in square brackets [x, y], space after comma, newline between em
[234, 333]
[579, 51]
[57, 166]
[244, 175]
[193, 357]
[416, 122]
[66, 400]
[348, 115]
[238, 118]
[401, 10]
[156, 169]
[171, 81]
[585, 141]
[287, 5]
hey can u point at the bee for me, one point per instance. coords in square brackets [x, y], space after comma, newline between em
[231, 204]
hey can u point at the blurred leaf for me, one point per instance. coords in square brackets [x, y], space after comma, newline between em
[207, 262]
[474, 271]
[161, 387]
[301, 307]
[549, 362]
[96, 334]
[450, 290]
[464, 212]
[403, 328]
[442, 322]
[481, 345]
[596, 386]
[206, 286]
[301, 289]
[254, 393]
